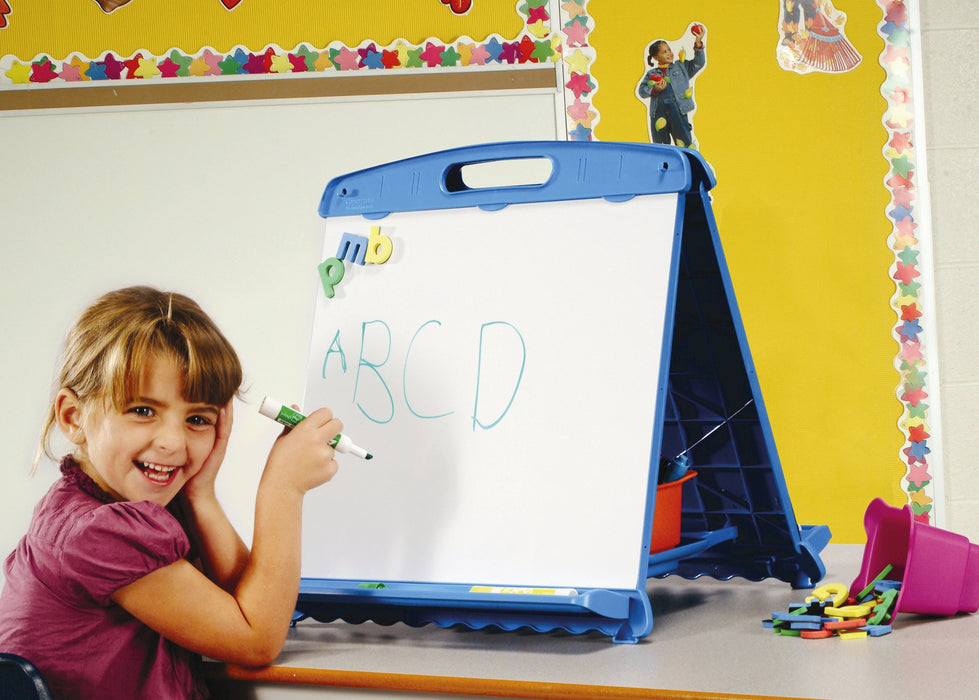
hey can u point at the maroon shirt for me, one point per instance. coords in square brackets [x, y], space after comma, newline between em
[56, 608]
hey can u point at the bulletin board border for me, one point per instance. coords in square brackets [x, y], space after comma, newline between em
[910, 240]
[273, 72]
[580, 86]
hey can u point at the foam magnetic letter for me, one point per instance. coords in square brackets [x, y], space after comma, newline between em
[379, 247]
[331, 272]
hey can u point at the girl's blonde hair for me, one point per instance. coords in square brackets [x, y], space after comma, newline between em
[108, 346]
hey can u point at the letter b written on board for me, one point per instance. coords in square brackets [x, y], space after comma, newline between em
[375, 350]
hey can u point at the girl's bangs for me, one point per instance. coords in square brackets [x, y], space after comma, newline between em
[209, 365]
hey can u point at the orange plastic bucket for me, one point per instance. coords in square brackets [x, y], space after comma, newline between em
[666, 514]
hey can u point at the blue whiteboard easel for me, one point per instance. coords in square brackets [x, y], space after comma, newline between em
[518, 358]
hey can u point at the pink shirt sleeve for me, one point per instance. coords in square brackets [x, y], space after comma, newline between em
[117, 544]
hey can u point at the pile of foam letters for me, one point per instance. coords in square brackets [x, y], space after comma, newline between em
[831, 612]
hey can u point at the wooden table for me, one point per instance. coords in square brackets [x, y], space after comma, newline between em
[707, 642]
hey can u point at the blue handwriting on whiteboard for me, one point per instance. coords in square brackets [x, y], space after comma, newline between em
[377, 335]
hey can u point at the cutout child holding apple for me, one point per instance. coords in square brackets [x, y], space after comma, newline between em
[668, 85]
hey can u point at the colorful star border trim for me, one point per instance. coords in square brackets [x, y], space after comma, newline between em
[905, 205]
[536, 44]
[580, 86]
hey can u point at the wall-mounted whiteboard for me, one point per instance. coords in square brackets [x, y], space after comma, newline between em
[217, 202]
[502, 367]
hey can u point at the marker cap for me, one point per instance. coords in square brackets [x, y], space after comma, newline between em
[270, 408]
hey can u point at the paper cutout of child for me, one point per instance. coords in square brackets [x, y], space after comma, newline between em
[668, 85]
[812, 38]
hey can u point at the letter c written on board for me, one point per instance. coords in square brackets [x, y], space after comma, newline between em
[404, 376]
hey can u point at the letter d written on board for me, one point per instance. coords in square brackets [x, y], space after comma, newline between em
[500, 367]
[374, 250]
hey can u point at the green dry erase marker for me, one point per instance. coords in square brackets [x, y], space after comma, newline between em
[291, 418]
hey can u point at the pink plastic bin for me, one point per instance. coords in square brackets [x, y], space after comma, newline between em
[938, 570]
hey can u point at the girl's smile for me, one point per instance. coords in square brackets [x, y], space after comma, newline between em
[153, 446]
[157, 473]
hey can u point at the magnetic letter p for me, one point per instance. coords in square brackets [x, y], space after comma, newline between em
[331, 272]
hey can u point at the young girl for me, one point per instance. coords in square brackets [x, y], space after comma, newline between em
[130, 569]
[668, 87]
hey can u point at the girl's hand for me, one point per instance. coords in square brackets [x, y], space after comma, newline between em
[698, 31]
[301, 457]
[202, 483]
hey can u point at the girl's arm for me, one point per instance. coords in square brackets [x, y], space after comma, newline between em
[248, 625]
[644, 88]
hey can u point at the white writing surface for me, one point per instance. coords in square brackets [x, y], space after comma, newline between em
[502, 367]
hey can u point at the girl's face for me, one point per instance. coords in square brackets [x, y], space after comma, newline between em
[157, 443]
[664, 55]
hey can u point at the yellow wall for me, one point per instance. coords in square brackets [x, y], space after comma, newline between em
[800, 204]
